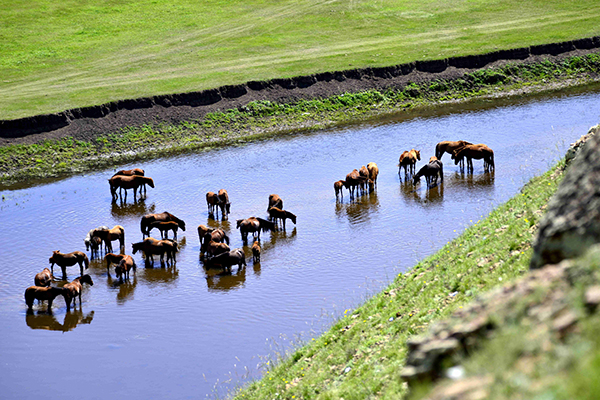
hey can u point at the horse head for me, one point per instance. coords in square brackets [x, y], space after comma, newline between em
[86, 279]
[149, 181]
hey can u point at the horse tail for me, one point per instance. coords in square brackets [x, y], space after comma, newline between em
[438, 151]
[143, 225]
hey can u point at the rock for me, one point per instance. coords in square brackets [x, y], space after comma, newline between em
[572, 221]
[575, 147]
[592, 298]
[475, 388]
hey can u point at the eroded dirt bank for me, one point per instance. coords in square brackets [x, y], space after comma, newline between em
[90, 122]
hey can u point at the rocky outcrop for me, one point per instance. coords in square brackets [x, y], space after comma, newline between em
[572, 221]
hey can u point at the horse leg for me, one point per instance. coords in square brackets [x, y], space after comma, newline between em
[80, 268]
[64, 271]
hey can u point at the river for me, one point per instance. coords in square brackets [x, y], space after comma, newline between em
[184, 332]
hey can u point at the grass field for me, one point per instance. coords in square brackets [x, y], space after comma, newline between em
[60, 55]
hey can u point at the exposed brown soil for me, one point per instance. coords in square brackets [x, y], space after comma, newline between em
[91, 122]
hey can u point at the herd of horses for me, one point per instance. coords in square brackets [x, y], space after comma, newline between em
[214, 242]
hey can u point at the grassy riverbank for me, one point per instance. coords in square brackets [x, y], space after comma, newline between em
[52, 158]
[363, 353]
[56, 56]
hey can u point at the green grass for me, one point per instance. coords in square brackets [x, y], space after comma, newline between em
[60, 55]
[361, 355]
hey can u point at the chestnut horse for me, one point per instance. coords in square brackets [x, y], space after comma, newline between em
[408, 160]
[151, 246]
[122, 270]
[478, 152]
[43, 293]
[74, 290]
[354, 180]
[164, 227]
[130, 172]
[112, 258]
[202, 231]
[254, 225]
[431, 171]
[256, 251]
[373, 172]
[281, 215]
[43, 278]
[449, 147]
[224, 203]
[275, 201]
[164, 216]
[64, 260]
[337, 186]
[109, 235]
[220, 200]
[123, 182]
[214, 236]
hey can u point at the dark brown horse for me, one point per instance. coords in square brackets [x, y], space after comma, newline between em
[281, 215]
[227, 259]
[64, 260]
[256, 251]
[202, 231]
[93, 243]
[254, 225]
[164, 227]
[43, 278]
[431, 171]
[151, 247]
[213, 248]
[449, 147]
[48, 293]
[164, 216]
[112, 258]
[408, 161]
[109, 235]
[212, 202]
[354, 181]
[74, 290]
[224, 203]
[123, 268]
[275, 201]
[123, 182]
[478, 152]
[337, 186]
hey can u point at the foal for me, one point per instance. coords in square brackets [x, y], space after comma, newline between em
[278, 214]
[73, 290]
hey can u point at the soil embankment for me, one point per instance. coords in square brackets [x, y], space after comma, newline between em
[90, 122]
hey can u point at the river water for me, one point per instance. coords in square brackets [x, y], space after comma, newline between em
[183, 332]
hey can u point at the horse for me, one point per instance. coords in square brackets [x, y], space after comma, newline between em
[212, 201]
[151, 246]
[215, 248]
[44, 278]
[224, 203]
[478, 152]
[128, 182]
[164, 216]
[64, 260]
[164, 227]
[337, 186]
[43, 293]
[354, 180]
[276, 214]
[275, 201]
[408, 160]
[171, 249]
[256, 251]
[202, 231]
[431, 172]
[449, 147]
[226, 260]
[254, 225]
[130, 172]
[373, 172]
[122, 270]
[74, 290]
[93, 242]
[112, 258]
[109, 235]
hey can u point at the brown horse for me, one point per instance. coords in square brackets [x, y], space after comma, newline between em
[112, 258]
[373, 172]
[64, 260]
[449, 147]
[74, 290]
[254, 225]
[48, 293]
[125, 265]
[109, 235]
[214, 236]
[227, 259]
[151, 247]
[215, 248]
[281, 215]
[256, 251]
[93, 243]
[212, 201]
[164, 227]
[337, 186]
[164, 216]
[354, 180]
[408, 160]
[431, 171]
[123, 182]
[275, 201]
[478, 152]
[224, 203]
[130, 172]
[202, 231]
[43, 278]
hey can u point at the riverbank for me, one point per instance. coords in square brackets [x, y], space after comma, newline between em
[535, 319]
[39, 156]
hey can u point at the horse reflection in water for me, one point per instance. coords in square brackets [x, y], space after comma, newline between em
[485, 180]
[122, 209]
[422, 195]
[358, 210]
[124, 288]
[222, 281]
[49, 322]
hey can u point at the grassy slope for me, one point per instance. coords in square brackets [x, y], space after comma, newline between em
[60, 55]
[362, 355]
